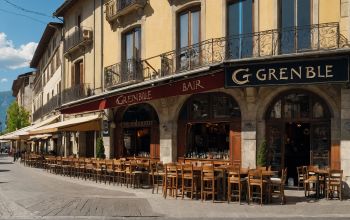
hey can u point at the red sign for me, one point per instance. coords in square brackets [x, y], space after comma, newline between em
[182, 87]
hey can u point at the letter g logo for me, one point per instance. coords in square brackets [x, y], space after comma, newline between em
[245, 76]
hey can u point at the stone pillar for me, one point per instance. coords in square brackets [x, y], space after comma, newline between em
[168, 149]
[345, 137]
[107, 145]
[248, 148]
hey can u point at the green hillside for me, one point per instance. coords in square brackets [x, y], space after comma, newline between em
[5, 100]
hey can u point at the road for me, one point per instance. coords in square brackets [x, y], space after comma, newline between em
[30, 193]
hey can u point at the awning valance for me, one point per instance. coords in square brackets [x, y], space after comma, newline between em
[87, 123]
[23, 133]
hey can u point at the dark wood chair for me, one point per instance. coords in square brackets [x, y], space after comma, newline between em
[301, 172]
[256, 185]
[119, 172]
[310, 181]
[334, 184]
[157, 174]
[171, 181]
[208, 180]
[277, 186]
[235, 183]
[188, 180]
[109, 171]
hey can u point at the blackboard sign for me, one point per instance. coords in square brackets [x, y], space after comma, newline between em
[326, 70]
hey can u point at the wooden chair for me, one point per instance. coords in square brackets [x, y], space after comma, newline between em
[75, 168]
[109, 171]
[334, 184]
[188, 180]
[235, 183]
[59, 165]
[88, 168]
[98, 169]
[171, 180]
[277, 186]
[157, 174]
[119, 172]
[301, 172]
[255, 185]
[80, 172]
[310, 181]
[208, 181]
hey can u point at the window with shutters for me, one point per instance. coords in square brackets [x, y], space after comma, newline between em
[77, 73]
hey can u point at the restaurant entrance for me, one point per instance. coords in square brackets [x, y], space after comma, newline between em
[297, 147]
[298, 132]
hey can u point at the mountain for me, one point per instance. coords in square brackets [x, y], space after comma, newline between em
[6, 99]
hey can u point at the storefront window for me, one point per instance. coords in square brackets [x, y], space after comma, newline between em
[138, 133]
[207, 120]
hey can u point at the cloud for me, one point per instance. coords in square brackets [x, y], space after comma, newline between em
[4, 80]
[12, 57]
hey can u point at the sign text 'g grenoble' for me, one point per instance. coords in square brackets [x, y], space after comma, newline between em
[294, 72]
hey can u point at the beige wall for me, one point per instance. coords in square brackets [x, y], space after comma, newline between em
[91, 55]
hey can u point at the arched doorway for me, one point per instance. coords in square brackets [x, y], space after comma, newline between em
[298, 131]
[137, 132]
[209, 127]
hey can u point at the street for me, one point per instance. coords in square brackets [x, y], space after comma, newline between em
[30, 193]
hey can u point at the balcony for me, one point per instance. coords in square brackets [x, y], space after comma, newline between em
[76, 92]
[50, 106]
[118, 8]
[78, 39]
[265, 44]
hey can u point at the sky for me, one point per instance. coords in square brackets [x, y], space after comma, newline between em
[22, 23]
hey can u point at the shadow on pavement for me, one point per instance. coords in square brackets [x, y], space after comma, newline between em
[6, 163]
[4, 171]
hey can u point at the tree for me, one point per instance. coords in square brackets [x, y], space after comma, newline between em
[100, 149]
[17, 117]
[261, 156]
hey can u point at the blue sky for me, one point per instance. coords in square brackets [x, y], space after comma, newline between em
[20, 31]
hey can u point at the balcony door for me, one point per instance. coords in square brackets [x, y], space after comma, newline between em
[131, 54]
[188, 38]
[240, 29]
[294, 22]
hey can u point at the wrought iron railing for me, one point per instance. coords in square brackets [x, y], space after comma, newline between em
[269, 43]
[50, 106]
[76, 92]
[128, 71]
[79, 36]
[114, 7]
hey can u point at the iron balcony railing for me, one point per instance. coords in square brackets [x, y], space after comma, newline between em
[50, 106]
[116, 8]
[80, 36]
[76, 92]
[269, 43]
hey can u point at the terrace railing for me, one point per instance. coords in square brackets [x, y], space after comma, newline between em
[76, 92]
[277, 42]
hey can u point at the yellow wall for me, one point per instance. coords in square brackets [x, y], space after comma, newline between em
[329, 11]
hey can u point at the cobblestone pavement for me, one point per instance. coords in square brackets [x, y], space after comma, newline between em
[30, 193]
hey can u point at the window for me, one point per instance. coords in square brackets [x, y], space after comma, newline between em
[77, 73]
[132, 44]
[295, 13]
[239, 26]
[188, 34]
[131, 54]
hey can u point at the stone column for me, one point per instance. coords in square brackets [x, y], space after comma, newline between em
[345, 137]
[248, 148]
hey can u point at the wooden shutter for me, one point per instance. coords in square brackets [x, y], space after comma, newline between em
[155, 146]
[81, 73]
[235, 141]
[72, 82]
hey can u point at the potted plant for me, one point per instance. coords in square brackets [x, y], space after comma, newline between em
[100, 149]
[261, 155]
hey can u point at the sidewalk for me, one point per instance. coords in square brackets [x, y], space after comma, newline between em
[30, 192]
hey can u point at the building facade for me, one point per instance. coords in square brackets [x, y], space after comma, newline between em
[213, 80]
